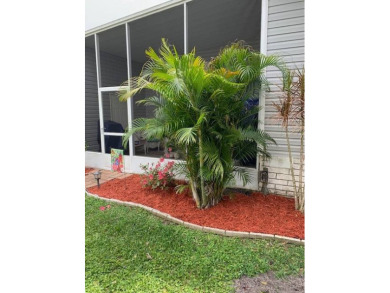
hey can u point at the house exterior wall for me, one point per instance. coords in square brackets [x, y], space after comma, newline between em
[285, 37]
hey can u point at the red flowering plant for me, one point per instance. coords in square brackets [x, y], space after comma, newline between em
[159, 175]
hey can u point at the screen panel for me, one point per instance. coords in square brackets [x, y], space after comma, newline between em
[113, 56]
[213, 24]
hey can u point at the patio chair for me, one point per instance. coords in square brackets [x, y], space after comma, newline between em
[109, 140]
[152, 143]
[140, 142]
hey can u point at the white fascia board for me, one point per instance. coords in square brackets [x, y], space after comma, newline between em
[134, 16]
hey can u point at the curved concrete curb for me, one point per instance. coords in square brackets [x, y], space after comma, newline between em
[201, 228]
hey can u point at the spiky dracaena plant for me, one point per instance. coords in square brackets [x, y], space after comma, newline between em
[202, 108]
[291, 113]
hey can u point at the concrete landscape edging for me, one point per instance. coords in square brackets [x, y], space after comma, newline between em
[217, 231]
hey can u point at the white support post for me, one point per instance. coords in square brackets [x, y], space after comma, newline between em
[185, 28]
[264, 27]
[99, 83]
[129, 101]
[263, 50]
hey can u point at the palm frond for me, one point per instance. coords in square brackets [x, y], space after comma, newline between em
[181, 188]
[186, 135]
[243, 174]
[256, 135]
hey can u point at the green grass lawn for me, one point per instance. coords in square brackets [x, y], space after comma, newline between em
[119, 240]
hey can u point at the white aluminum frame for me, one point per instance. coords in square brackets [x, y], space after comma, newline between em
[99, 82]
[109, 89]
[129, 102]
[126, 21]
[135, 16]
[101, 115]
[114, 134]
[185, 8]
[263, 50]
[101, 90]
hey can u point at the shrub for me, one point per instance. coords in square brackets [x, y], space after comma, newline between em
[204, 109]
[159, 175]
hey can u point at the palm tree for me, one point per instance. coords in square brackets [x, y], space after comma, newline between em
[291, 112]
[298, 110]
[202, 107]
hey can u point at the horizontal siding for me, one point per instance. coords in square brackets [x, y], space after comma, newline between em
[139, 111]
[285, 22]
[91, 101]
[284, 7]
[286, 38]
[272, 3]
[290, 61]
[113, 69]
[286, 52]
[285, 30]
[281, 135]
[286, 45]
[274, 129]
[106, 107]
[286, 14]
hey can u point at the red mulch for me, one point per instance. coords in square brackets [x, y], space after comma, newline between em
[87, 170]
[255, 213]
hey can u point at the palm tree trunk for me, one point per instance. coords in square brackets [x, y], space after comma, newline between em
[195, 193]
[202, 189]
[192, 177]
[292, 168]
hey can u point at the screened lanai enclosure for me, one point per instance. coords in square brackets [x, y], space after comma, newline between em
[115, 54]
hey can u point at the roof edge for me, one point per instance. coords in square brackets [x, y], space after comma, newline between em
[134, 16]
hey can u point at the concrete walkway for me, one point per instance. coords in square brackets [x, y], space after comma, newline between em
[107, 175]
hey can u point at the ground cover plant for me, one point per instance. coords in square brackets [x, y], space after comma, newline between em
[130, 250]
[208, 110]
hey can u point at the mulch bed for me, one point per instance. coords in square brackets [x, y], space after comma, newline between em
[269, 214]
[88, 170]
